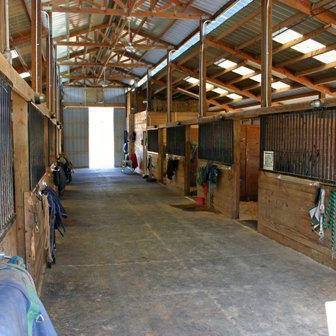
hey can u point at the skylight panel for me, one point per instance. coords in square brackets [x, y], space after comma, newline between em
[191, 80]
[225, 64]
[327, 57]
[209, 86]
[243, 71]
[24, 74]
[14, 54]
[286, 35]
[220, 91]
[256, 78]
[234, 96]
[308, 46]
[280, 85]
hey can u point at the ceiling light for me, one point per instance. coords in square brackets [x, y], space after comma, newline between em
[234, 96]
[308, 46]
[14, 54]
[225, 64]
[220, 91]
[24, 74]
[256, 78]
[327, 57]
[280, 85]
[243, 71]
[285, 35]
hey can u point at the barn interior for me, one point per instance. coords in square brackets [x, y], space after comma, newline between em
[168, 167]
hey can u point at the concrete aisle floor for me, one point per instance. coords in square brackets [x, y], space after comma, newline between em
[132, 265]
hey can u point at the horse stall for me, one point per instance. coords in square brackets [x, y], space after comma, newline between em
[218, 146]
[155, 153]
[298, 171]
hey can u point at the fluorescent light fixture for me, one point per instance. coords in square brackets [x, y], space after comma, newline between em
[220, 91]
[225, 64]
[280, 85]
[308, 46]
[24, 74]
[234, 96]
[327, 57]
[285, 35]
[256, 78]
[191, 80]
[14, 54]
[243, 71]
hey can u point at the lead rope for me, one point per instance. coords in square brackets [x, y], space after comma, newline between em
[329, 221]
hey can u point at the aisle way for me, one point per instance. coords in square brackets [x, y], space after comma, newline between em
[132, 265]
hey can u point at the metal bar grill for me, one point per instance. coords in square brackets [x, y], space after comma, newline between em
[36, 145]
[51, 141]
[176, 140]
[7, 211]
[153, 140]
[215, 141]
[301, 144]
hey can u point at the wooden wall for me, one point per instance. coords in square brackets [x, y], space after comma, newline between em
[283, 203]
[225, 192]
[140, 126]
[177, 183]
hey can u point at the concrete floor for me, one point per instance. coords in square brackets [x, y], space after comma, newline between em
[132, 265]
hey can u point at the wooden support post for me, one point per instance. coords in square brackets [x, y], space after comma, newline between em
[49, 57]
[161, 155]
[236, 167]
[21, 167]
[169, 87]
[187, 162]
[203, 106]
[266, 53]
[2, 27]
[149, 92]
[36, 53]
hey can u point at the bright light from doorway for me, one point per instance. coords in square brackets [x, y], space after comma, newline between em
[101, 137]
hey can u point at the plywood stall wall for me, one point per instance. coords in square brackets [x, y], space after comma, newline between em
[303, 144]
[226, 192]
[249, 162]
[140, 126]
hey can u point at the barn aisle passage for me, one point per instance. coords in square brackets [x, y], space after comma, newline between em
[132, 265]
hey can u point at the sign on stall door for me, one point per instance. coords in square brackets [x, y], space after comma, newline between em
[268, 160]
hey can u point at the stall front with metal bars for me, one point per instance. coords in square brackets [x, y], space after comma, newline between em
[153, 140]
[176, 138]
[7, 210]
[36, 145]
[215, 141]
[301, 143]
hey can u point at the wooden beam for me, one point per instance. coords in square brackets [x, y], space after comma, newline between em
[116, 64]
[169, 87]
[280, 70]
[119, 46]
[109, 77]
[121, 13]
[305, 7]
[316, 69]
[266, 53]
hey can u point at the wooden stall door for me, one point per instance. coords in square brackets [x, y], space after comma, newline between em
[249, 162]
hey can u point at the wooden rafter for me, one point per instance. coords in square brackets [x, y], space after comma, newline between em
[279, 69]
[118, 46]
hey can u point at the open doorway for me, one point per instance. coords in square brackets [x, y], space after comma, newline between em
[101, 137]
[249, 170]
